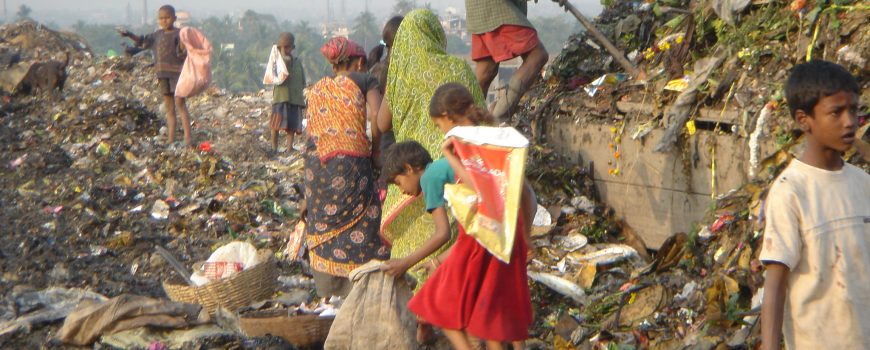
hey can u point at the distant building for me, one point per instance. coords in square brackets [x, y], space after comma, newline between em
[333, 29]
[454, 24]
[228, 49]
[182, 18]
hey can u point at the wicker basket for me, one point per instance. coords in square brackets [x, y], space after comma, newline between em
[302, 330]
[242, 289]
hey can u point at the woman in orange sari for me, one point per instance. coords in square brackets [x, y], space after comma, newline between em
[343, 211]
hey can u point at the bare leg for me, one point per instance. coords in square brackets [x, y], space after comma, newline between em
[528, 72]
[290, 136]
[274, 140]
[457, 339]
[475, 342]
[494, 345]
[485, 70]
[518, 345]
[170, 117]
[180, 103]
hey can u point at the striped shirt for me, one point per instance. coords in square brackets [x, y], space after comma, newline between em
[484, 16]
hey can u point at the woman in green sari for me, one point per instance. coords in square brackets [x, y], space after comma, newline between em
[419, 64]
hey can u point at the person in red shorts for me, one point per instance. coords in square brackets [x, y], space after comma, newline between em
[500, 31]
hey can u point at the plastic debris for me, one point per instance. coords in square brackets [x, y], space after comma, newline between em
[41, 307]
[611, 254]
[607, 79]
[160, 210]
[574, 241]
[583, 203]
[560, 285]
[754, 139]
[678, 85]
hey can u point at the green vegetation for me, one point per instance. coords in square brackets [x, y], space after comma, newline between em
[456, 46]
[242, 44]
[554, 31]
[366, 31]
[402, 7]
[23, 12]
[101, 37]
[241, 48]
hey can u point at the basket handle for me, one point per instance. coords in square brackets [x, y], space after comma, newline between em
[166, 255]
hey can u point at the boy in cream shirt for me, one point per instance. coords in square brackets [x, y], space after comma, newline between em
[817, 237]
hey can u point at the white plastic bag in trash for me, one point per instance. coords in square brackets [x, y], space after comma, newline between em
[276, 69]
[225, 262]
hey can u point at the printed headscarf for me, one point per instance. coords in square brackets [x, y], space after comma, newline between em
[340, 49]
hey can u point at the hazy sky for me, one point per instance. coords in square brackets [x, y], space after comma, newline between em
[65, 12]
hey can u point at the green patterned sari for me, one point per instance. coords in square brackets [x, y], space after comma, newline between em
[419, 64]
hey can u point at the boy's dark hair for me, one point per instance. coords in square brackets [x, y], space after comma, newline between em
[409, 153]
[809, 82]
[378, 52]
[167, 8]
[287, 36]
[390, 30]
[454, 99]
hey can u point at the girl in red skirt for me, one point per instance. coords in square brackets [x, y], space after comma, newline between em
[472, 293]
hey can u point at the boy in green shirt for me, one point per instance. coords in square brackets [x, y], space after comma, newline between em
[288, 103]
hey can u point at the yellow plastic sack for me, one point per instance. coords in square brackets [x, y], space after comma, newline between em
[488, 208]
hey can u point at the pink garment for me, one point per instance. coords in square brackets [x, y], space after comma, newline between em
[196, 72]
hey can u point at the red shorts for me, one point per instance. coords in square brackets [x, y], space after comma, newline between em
[504, 43]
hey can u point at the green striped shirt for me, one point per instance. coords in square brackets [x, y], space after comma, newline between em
[484, 16]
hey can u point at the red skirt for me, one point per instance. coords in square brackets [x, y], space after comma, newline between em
[475, 292]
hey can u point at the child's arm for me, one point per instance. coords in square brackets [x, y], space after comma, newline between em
[772, 307]
[373, 102]
[383, 123]
[385, 117]
[398, 267]
[528, 208]
[430, 267]
[128, 34]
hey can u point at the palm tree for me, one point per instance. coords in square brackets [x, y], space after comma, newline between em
[365, 30]
[24, 12]
[308, 43]
[402, 7]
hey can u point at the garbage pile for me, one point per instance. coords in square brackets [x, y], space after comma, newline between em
[594, 285]
[89, 186]
[728, 56]
[33, 57]
[33, 41]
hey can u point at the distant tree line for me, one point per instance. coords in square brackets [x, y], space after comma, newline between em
[242, 44]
